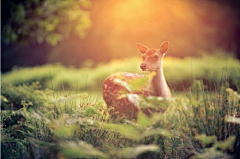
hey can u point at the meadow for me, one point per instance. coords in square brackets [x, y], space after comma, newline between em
[52, 111]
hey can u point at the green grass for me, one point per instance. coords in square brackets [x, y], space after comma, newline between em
[179, 73]
[75, 124]
[72, 121]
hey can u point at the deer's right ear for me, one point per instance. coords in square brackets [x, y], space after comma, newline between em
[141, 48]
[164, 47]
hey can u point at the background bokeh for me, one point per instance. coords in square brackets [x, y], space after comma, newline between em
[83, 32]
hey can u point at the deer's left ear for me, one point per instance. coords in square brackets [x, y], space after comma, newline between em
[164, 47]
[141, 48]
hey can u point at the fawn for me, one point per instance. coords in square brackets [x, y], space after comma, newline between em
[152, 62]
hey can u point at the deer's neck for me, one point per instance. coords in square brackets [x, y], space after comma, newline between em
[159, 85]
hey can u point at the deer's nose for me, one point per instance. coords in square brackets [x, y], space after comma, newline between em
[143, 65]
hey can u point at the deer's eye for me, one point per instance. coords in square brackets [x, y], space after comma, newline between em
[156, 56]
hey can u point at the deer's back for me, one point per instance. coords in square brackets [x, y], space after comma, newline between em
[113, 93]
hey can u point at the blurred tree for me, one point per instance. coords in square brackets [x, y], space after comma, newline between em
[222, 17]
[192, 27]
[234, 5]
[43, 20]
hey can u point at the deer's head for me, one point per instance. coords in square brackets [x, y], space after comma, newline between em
[152, 58]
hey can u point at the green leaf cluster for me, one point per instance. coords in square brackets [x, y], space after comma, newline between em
[44, 20]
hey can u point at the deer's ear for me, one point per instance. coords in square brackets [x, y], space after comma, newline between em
[141, 48]
[164, 47]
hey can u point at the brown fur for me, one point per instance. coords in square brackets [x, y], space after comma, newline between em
[112, 92]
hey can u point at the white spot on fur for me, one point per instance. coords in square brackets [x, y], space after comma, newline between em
[105, 86]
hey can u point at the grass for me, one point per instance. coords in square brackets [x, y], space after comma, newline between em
[75, 126]
[179, 73]
[72, 121]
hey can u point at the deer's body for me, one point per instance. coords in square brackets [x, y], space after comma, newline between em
[112, 93]
[152, 62]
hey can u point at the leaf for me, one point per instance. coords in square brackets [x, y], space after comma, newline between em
[122, 83]
[4, 99]
[143, 120]
[35, 141]
[158, 131]
[134, 99]
[65, 131]
[133, 152]
[138, 83]
[206, 140]
[20, 13]
[134, 133]
[224, 145]
[135, 84]
[54, 38]
[79, 149]
[126, 130]
[211, 153]
[149, 101]
[158, 101]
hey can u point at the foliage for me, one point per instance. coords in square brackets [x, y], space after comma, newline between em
[49, 124]
[80, 149]
[13, 98]
[211, 69]
[20, 122]
[206, 112]
[217, 145]
[44, 20]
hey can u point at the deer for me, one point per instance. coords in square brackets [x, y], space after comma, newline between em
[152, 62]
